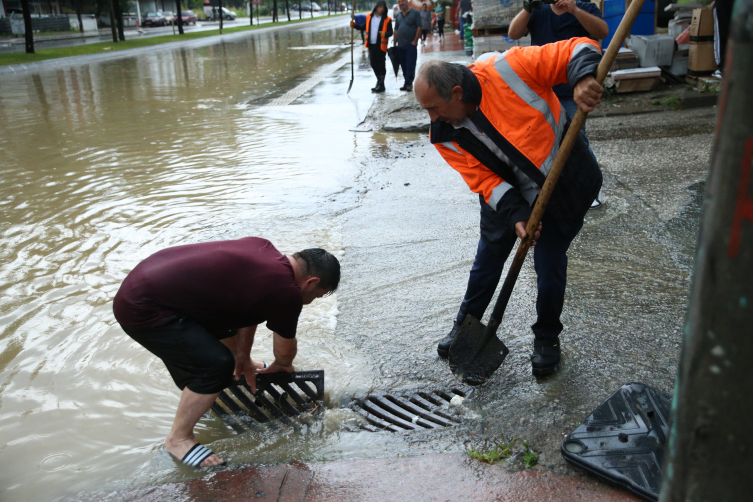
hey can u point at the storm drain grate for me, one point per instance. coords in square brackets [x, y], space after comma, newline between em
[279, 396]
[409, 410]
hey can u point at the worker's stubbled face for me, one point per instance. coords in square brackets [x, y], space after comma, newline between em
[453, 111]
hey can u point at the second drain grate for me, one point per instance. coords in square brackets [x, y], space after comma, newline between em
[409, 409]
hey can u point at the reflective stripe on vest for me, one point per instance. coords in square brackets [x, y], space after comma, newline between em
[384, 40]
[451, 146]
[497, 194]
[537, 102]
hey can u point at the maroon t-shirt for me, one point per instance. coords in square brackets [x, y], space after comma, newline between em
[221, 285]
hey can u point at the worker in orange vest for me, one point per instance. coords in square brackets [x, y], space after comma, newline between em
[499, 124]
[378, 30]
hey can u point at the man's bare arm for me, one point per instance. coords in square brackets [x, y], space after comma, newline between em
[519, 25]
[418, 35]
[240, 345]
[285, 350]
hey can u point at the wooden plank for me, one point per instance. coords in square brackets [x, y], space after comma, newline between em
[489, 31]
[638, 84]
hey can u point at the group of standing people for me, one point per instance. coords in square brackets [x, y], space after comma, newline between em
[411, 26]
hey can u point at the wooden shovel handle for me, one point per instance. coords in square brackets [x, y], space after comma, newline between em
[559, 162]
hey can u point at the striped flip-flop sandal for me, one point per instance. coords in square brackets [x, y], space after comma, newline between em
[197, 454]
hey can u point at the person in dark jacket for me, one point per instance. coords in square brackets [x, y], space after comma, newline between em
[378, 29]
[499, 124]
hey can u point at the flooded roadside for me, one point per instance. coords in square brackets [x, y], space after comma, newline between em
[106, 163]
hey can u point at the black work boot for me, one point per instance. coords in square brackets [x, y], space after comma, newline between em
[443, 347]
[374, 89]
[380, 86]
[545, 358]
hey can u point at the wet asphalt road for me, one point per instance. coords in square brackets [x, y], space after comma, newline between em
[410, 243]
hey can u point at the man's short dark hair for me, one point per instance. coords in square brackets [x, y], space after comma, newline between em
[442, 76]
[321, 264]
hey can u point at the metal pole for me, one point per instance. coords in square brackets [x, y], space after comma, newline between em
[219, 11]
[28, 29]
[711, 442]
[138, 13]
[119, 19]
[78, 15]
[179, 18]
[112, 21]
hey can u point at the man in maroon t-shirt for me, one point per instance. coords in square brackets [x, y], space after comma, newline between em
[196, 307]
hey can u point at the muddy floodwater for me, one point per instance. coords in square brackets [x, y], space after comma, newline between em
[105, 163]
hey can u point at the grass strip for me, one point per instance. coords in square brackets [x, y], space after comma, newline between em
[109, 47]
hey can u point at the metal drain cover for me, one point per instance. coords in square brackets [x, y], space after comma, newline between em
[623, 439]
[279, 396]
[409, 409]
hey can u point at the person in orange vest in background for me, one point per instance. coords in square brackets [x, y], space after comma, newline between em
[499, 124]
[378, 30]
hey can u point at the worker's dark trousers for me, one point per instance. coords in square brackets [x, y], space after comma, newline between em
[550, 263]
[377, 58]
[407, 55]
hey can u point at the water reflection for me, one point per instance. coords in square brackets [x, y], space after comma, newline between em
[105, 163]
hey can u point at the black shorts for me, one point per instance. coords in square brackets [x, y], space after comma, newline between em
[194, 357]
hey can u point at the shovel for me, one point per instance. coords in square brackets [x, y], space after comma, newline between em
[476, 352]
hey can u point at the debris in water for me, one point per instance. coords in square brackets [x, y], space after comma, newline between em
[457, 401]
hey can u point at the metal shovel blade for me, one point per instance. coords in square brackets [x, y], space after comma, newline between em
[474, 358]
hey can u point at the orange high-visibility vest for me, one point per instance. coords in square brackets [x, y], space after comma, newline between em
[382, 30]
[525, 116]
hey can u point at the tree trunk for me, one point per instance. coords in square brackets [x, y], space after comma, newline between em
[708, 457]
[287, 9]
[300, 10]
[251, 11]
[119, 19]
[78, 14]
[219, 11]
[29, 35]
[180, 16]
[112, 21]
[274, 11]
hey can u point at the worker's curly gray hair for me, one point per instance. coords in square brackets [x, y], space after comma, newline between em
[442, 76]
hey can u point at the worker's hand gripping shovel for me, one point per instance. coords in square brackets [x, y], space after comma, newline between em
[476, 352]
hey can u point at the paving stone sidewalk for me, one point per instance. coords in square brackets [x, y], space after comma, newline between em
[443, 477]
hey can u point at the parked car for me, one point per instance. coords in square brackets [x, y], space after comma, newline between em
[154, 19]
[169, 17]
[189, 17]
[211, 13]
